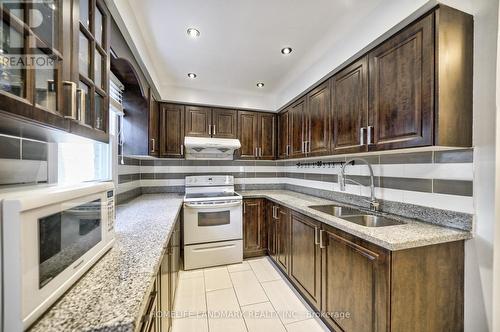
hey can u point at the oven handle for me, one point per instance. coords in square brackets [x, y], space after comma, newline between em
[212, 206]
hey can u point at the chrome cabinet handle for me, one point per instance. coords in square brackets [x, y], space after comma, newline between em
[152, 145]
[209, 129]
[213, 131]
[70, 93]
[316, 240]
[288, 149]
[309, 146]
[182, 149]
[362, 136]
[321, 245]
[260, 152]
[370, 135]
[274, 211]
[256, 154]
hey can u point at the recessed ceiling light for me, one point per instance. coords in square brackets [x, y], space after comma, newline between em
[286, 50]
[260, 85]
[191, 75]
[193, 33]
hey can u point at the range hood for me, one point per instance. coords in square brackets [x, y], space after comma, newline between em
[206, 148]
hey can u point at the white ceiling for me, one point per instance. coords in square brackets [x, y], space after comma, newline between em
[241, 40]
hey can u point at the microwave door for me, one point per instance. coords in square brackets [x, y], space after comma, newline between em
[66, 236]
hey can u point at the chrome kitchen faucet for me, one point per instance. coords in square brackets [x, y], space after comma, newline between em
[374, 204]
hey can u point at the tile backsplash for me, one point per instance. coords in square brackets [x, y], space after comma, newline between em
[22, 161]
[433, 179]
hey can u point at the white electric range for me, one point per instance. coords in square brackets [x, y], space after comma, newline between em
[213, 226]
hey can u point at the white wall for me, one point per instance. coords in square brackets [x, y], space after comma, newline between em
[479, 251]
[496, 248]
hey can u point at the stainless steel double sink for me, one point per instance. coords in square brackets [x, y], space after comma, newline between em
[356, 216]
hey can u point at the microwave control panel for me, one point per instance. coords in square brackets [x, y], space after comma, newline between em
[111, 210]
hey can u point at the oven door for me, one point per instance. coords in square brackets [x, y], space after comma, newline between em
[215, 221]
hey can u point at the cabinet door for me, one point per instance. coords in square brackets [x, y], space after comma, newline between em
[198, 121]
[305, 257]
[248, 133]
[355, 278]
[224, 123]
[350, 108]
[154, 123]
[283, 135]
[91, 67]
[164, 290]
[297, 128]
[174, 261]
[319, 121]
[283, 238]
[36, 92]
[254, 230]
[271, 229]
[172, 131]
[402, 88]
[267, 138]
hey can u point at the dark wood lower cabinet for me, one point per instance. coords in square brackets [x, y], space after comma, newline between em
[358, 286]
[283, 238]
[254, 227]
[355, 283]
[305, 257]
[160, 303]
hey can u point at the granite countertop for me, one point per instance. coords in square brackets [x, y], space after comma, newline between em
[412, 234]
[112, 294]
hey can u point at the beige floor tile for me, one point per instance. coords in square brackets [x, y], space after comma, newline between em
[287, 304]
[191, 274]
[264, 270]
[224, 312]
[308, 325]
[262, 318]
[243, 266]
[190, 297]
[217, 278]
[190, 324]
[247, 287]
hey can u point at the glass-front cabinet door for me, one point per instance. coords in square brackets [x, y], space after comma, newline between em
[92, 63]
[54, 64]
[32, 53]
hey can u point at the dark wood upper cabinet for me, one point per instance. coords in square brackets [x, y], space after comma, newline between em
[198, 121]
[248, 126]
[297, 124]
[350, 108]
[72, 94]
[256, 132]
[172, 130]
[154, 126]
[267, 136]
[318, 121]
[283, 135]
[254, 227]
[401, 89]
[208, 122]
[406, 92]
[224, 123]
[305, 257]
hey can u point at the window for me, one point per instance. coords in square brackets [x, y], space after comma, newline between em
[82, 162]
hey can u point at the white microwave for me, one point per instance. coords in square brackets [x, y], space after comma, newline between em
[51, 235]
